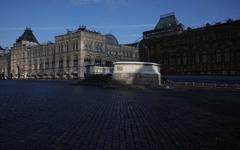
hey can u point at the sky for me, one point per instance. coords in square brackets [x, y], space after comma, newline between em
[126, 19]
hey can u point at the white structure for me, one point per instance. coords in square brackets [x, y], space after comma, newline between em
[137, 73]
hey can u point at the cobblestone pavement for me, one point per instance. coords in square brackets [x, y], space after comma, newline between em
[56, 115]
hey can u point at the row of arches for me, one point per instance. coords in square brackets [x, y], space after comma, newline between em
[64, 65]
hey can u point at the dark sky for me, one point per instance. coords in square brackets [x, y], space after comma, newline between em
[126, 19]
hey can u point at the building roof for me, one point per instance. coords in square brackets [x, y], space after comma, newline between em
[111, 39]
[1, 48]
[27, 36]
[166, 21]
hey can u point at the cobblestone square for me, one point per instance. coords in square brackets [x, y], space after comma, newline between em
[57, 115]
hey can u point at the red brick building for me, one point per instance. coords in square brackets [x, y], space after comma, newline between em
[209, 50]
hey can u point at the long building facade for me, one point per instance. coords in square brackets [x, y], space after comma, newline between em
[4, 63]
[208, 50]
[67, 57]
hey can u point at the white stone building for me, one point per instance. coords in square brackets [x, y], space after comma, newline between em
[68, 56]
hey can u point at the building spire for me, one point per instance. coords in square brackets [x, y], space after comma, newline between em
[27, 36]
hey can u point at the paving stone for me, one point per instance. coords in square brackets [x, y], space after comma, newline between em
[57, 115]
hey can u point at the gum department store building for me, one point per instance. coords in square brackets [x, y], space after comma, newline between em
[66, 58]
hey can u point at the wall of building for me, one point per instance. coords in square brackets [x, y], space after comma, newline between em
[209, 50]
[4, 65]
[67, 57]
[137, 73]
